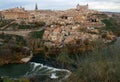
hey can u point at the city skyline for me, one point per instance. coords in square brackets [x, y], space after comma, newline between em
[101, 5]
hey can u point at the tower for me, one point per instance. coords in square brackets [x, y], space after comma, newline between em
[78, 7]
[87, 6]
[36, 7]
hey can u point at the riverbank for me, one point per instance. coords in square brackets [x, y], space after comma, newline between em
[102, 64]
[99, 65]
[14, 54]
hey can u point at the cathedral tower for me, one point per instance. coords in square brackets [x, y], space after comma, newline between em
[36, 7]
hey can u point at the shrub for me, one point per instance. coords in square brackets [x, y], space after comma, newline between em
[101, 65]
[112, 25]
[37, 34]
[40, 23]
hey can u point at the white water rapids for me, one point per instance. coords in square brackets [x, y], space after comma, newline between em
[32, 69]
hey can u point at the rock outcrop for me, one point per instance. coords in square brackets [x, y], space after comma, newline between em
[9, 55]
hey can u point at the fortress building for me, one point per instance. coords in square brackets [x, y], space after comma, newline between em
[82, 7]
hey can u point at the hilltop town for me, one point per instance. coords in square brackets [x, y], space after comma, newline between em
[77, 26]
[79, 13]
[86, 42]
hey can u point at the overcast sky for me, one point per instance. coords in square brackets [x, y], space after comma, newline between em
[102, 5]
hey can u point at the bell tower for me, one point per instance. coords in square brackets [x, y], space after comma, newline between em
[36, 7]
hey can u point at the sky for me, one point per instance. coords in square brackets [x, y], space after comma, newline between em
[101, 5]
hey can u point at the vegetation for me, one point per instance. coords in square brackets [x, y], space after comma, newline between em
[16, 26]
[40, 23]
[14, 38]
[4, 22]
[101, 65]
[12, 80]
[64, 58]
[24, 26]
[37, 34]
[112, 25]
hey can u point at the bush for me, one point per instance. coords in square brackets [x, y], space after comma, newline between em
[112, 25]
[109, 23]
[37, 34]
[40, 24]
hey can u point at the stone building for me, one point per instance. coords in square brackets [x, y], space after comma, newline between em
[82, 7]
[15, 13]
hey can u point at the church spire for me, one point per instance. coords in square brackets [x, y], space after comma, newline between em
[36, 7]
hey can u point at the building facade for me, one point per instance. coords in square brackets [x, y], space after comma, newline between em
[82, 7]
[15, 13]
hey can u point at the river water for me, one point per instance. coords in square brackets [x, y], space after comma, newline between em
[31, 69]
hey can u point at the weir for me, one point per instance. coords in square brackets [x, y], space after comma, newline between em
[32, 69]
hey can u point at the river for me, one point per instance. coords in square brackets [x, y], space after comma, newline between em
[32, 69]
